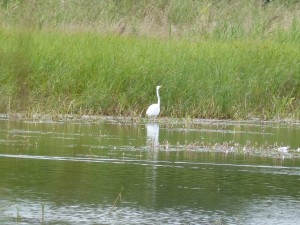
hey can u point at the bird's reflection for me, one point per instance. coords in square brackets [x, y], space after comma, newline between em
[152, 135]
[152, 154]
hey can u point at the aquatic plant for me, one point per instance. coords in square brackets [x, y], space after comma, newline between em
[119, 198]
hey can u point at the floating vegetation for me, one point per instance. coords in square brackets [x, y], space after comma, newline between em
[265, 150]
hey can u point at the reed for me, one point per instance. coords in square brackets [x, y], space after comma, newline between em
[214, 61]
[194, 19]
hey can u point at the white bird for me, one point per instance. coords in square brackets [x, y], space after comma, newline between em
[154, 109]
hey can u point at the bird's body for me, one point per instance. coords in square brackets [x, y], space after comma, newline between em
[154, 109]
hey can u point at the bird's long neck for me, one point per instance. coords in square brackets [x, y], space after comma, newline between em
[158, 98]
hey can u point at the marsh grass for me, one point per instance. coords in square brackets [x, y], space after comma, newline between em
[108, 74]
[214, 59]
[193, 19]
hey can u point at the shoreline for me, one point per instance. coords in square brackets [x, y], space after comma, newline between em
[137, 119]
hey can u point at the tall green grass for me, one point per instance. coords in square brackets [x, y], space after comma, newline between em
[87, 72]
[215, 59]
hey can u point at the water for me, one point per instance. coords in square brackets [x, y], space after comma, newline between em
[115, 171]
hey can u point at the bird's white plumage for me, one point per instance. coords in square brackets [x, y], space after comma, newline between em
[154, 109]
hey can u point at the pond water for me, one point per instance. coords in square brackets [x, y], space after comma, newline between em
[121, 171]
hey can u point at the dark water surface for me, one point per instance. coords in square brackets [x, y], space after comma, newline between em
[116, 172]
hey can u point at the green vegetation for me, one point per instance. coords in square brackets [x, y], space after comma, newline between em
[227, 59]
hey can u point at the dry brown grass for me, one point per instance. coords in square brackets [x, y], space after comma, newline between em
[176, 18]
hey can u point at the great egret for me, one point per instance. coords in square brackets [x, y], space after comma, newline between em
[153, 110]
